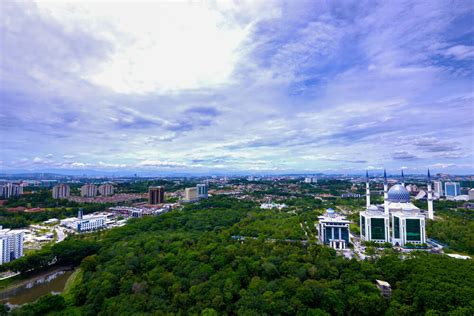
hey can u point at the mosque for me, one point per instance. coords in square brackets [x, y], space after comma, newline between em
[397, 220]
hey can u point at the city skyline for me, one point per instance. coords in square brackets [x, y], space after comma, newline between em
[259, 87]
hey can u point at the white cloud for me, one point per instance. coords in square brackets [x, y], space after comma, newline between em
[158, 46]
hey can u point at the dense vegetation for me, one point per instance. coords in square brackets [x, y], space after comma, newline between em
[186, 262]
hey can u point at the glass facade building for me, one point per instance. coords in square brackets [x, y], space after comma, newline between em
[377, 228]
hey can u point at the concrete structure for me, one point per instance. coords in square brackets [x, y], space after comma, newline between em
[89, 190]
[190, 194]
[438, 189]
[156, 195]
[333, 230]
[9, 190]
[61, 191]
[384, 288]
[269, 206]
[11, 245]
[106, 189]
[85, 223]
[310, 180]
[202, 191]
[452, 189]
[471, 195]
[367, 189]
[397, 221]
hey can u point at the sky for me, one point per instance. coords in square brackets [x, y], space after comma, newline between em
[244, 86]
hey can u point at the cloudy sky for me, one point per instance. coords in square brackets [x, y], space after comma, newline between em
[317, 86]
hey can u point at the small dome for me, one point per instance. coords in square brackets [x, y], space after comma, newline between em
[330, 210]
[399, 194]
[373, 208]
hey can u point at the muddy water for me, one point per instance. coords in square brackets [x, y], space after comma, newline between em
[30, 290]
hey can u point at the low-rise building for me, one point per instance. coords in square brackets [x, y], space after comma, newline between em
[85, 223]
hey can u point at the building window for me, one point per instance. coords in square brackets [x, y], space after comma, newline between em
[363, 225]
[377, 228]
[396, 226]
[413, 230]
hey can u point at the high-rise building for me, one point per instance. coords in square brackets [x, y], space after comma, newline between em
[89, 190]
[11, 245]
[10, 190]
[202, 191]
[61, 191]
[156, 195]
[310, 180]
[452, 189]
[333, 230]
[106, 189]
[190, 194]
[438, 188]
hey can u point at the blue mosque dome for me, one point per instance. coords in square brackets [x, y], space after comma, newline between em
[398, 193]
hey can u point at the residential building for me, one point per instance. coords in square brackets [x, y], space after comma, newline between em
[9, 190]
[452, 189]
[89, 190]
[202, 191]
[106, 189]
[11, 245]
[156, 195]
[61, 191]
[310, 180]
[333, 230]
[190, 194]
[471, 195]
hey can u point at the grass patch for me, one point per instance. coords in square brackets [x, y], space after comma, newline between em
[72, 281]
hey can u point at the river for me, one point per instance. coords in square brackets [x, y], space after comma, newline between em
[27, 291]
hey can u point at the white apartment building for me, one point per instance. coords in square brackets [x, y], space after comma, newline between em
[89, 190]
[11, 245]
[106, 189]
[61, 191]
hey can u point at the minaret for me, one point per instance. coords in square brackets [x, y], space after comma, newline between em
[385, 192]
[403, 179]
[430, 198]
[367, 189]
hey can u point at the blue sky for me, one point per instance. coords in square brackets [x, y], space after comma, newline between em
[270, 86]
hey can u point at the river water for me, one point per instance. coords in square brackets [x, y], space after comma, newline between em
[30, 290]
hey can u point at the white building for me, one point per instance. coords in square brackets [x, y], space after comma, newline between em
[438, 189]
[310, 180]
[89, 190]
[202, 191]
[333, 230]
[269, 206]
[190, 194]
[11, 245]
[85, 223]
[397, 221]
[9, 190]
[106, 189]
[471, 195]
[61, 191]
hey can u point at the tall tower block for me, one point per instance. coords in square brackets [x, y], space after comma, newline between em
[385, 192]
[430, 198]
[367, 189]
